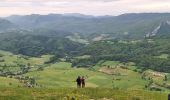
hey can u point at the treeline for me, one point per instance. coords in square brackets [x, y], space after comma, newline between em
[145, 53]
[37, 43]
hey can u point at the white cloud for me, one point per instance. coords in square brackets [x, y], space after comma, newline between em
[93, 7]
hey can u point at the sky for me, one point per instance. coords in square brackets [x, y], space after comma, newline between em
[88, 7]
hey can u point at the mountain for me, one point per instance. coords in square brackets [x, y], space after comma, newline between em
[78, 15]
[37, 42]
[126, 25]
[6, 25]
[162, 30]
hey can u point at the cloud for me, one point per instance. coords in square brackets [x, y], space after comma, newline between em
[92, 7]
[54, 0]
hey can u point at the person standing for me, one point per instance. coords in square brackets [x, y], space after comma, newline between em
[83, 82]
[78, 80]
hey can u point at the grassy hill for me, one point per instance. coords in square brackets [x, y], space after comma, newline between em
[9, 83]
[109, 80]
[62, 75]
[78, 94]
[108, 74]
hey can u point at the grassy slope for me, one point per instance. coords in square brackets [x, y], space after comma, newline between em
[127, 79]
[62, 75]
[78, 94]
[13, 92]
[58, 79]
[9, 82]
[12, 61]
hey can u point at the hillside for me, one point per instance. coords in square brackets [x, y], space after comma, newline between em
[65, 45]
[105, 74]
[164, 29]
[79, 94]
[126, 25]
[37, 42]
[57, 80]
[6, 25]
[123, 57]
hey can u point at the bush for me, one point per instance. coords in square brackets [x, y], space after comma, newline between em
[2, 60]
[1, 55]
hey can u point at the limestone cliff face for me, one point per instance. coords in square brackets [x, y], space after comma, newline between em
[162, 29]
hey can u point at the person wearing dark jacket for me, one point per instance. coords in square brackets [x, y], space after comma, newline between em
[83, 82]
[78, 82]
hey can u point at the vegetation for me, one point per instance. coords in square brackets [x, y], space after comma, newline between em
[123, 26]
[36, 44]
[143, 53]
[123, 81]
[125, 57]
[79, 94]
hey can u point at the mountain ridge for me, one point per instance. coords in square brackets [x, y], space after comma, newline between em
[137, 25]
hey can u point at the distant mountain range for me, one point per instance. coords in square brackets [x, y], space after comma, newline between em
[5, 25]
[127, 25]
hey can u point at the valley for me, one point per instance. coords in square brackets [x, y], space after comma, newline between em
[122, 78]
[125, 57]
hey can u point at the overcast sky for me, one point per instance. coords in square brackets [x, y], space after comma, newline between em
[90, 7]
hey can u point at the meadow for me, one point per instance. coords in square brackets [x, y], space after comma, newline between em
[78, 94]
[108, 80]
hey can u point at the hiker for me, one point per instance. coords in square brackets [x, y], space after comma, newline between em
[83, 82]
[78, 82]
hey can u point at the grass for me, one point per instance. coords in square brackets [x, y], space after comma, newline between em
[111, 63]
[105, 63]
[77, 38]
[13, 92]
[58, 81]
[163, 56]
[78, 94]
[60, 65]
[125, 78]
[55, 76]
[83, 57]
[12, 61]
[39, 61]
[8, 82]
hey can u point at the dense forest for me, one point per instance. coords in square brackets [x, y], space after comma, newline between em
[37, 44]
[145, 53]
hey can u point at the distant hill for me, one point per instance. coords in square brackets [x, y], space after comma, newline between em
[164, 28]
[161, 30]
[126, 25]
[37, 42]
[6, 25]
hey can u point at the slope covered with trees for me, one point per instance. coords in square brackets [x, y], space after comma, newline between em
[126, 25]
[145, 53]
[37, 43]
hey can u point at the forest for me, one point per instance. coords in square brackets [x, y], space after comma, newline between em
[145, 53]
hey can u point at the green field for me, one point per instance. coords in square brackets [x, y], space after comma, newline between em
[108, 80]
[9, 83]
[13, 92]
[56, 76]
[78, 94]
